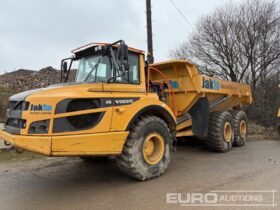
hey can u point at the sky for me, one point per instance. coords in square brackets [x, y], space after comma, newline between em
[37, 33]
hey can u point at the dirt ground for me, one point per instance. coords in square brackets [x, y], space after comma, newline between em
[31, 181]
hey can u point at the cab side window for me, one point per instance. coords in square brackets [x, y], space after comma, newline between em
[131, 76]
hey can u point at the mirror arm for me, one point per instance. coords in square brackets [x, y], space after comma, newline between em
[114, 59]
[66, 78]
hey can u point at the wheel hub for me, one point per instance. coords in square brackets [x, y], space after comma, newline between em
[149, 147]
[243, 129]
[227, 132]
[153, 148]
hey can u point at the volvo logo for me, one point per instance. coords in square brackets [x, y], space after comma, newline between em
[124, 101]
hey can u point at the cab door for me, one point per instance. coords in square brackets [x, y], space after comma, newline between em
[127, 90]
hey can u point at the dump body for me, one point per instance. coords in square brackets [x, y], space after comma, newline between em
[189, 86]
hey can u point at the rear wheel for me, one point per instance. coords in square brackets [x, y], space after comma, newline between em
[146, 153]
[240, 124]
[220, 131]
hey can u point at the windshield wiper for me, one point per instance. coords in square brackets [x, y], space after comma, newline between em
[93, 68]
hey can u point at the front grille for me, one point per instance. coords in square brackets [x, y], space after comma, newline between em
[18, 105]
[12, 104]
[13, 116]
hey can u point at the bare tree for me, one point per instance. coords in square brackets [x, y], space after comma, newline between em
[260, 37]
[238, 42]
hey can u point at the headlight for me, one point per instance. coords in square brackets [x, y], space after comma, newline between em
[39, 127]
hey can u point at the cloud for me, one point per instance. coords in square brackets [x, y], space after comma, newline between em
[37, 33]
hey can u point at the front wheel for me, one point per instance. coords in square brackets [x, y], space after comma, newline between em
[146, 153]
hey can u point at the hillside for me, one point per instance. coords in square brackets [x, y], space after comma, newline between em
[24, 79]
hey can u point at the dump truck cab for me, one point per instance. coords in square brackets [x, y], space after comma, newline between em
[90, 116]
[120, 106]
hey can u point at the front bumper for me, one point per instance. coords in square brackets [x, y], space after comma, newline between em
[110, 143]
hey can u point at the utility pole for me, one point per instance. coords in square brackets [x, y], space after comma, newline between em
[150, 55]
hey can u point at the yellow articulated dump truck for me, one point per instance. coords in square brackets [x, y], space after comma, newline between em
[122, 107]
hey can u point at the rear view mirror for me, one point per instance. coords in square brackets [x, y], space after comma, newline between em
[122, 55]
[64, 67]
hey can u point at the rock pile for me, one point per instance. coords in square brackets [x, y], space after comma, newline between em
[23, 79]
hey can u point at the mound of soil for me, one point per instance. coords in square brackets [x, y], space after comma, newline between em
[24, 79]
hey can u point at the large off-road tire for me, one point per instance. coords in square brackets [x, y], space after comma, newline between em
[220, 131]
[240, 125]
[146, 153]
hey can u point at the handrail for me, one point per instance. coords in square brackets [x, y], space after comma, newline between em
[169, 87]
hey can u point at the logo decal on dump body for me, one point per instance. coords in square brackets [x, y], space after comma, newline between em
[174, 84]
[211, 84]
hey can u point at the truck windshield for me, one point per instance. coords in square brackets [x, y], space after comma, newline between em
[99, 68]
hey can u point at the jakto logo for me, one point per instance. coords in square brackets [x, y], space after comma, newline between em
[174, 84]
[41, 107]
[211, 84]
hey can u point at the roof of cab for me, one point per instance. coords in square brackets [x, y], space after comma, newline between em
[84, 47]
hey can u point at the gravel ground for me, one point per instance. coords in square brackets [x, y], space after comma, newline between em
[70, 183]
